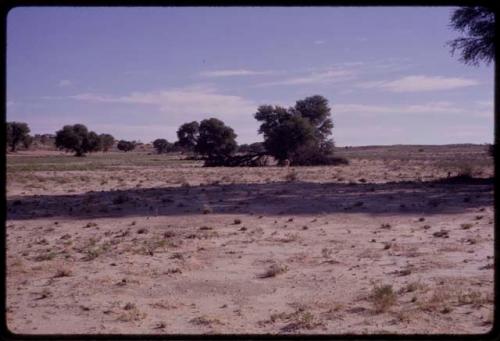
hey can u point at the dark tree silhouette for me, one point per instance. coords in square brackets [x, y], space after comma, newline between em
[28, 141]
[162, 146]
[299, 134]
[17, 133]
[125, 146]
[78, 139]
[188, 135]
[478, 25]
[215, 140]
[106, 141]
[316, 109]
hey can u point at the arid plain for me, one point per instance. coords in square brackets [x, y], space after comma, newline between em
[140, 243]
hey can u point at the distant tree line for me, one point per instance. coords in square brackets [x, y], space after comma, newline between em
[296, 136]
[299, 135]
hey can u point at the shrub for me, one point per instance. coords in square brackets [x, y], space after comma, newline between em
[274, 270]
[383, 297]
[162, 146]
[125, 145]
[106, 141]
[465, 171]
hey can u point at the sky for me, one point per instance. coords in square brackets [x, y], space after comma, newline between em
[139, 73]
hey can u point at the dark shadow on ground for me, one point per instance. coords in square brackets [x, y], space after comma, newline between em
[301, 198]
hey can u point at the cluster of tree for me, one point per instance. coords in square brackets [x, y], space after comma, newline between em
[78, 139]
[44, 141]
[300, 134]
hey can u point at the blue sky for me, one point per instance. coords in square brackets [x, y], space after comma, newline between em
[139, 73]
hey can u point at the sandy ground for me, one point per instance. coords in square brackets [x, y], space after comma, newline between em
[185, 249]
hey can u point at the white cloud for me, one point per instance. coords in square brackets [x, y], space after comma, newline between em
[177, 106]
[183, 100]
[317, 77]
[64, 82]
[420, 83]
[231, 73]
[319, 42]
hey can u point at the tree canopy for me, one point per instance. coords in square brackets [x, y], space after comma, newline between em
[478, 26]
[125, 146]
[306, 125]
[215, 140]
[106, 141]
[187, 135]
[18, 133]
[162, 146]
[78, 139]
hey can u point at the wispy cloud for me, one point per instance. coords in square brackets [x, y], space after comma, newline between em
[487, 103]
[427, 108]
[192, 100]
[64, 83]
[316, 77]
[319, 42]
[420, 83]
[232, 73]
[179, 105]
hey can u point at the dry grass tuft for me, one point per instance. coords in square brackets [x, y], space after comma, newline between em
[131, 313]
[383, 297]
[274, 270]
[466, 226]
[205, 321]
[299, 319]
[62, 273]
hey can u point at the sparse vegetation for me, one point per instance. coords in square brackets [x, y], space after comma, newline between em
[63, 272]
[297, 320]
[383, 297]
[205, 321]
[274, 270]
[143, 236]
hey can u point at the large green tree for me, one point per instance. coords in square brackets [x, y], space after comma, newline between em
[17, 133]
[299, 132]
[478, 26]
[78, 139]
[215, 140]
[187, 135]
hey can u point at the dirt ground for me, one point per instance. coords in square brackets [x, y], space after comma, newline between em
[151, 244]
